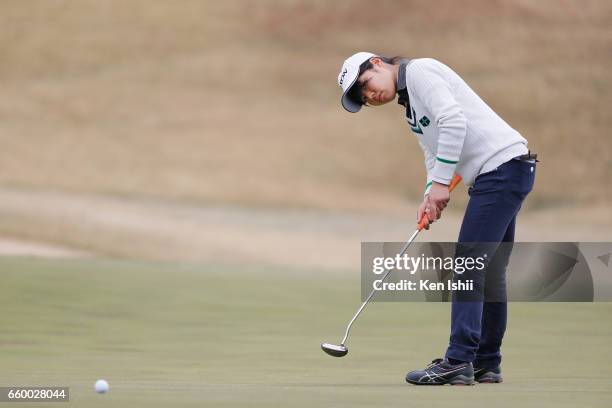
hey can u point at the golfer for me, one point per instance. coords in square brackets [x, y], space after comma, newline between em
[459, 134]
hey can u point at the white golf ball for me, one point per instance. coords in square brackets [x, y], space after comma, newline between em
[101, 386]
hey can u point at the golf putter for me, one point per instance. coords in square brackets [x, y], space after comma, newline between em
[340, 350]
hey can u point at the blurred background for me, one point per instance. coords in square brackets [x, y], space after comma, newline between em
[182, 197]
[177, 130]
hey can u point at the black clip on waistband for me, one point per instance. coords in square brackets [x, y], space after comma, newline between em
[528, 157]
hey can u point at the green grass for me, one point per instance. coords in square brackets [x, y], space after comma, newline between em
[225, 336]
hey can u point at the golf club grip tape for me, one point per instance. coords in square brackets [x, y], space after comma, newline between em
[454, 182]
[423, 223]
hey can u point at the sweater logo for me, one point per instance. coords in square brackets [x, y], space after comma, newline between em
[424, 121]
[414, 125]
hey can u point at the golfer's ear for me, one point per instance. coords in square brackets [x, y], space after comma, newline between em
[375, 61]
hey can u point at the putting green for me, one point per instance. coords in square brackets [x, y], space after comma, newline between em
[167, 334]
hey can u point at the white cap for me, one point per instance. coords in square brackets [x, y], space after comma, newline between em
[348, 76]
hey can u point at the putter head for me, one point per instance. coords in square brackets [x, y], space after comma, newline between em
[335, 350]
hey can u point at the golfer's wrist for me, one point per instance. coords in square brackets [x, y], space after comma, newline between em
[427, 188]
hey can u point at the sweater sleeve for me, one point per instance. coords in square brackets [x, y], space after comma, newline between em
[436, 95]
[430, 160]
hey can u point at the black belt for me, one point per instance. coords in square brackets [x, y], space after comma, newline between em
[528, 157]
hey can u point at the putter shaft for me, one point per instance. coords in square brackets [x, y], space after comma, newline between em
[423, 222]
[363, 305]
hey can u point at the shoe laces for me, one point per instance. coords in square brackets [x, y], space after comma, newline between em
[435, 362]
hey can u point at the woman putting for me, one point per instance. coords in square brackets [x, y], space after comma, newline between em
[458, 133]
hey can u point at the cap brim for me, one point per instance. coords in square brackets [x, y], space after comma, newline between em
[348, 103]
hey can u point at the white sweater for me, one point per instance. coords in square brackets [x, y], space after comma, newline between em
[458, 132]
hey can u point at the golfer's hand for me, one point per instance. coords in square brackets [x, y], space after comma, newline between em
[430, 210]
[434, 203]
[439, 197]
[421, 211]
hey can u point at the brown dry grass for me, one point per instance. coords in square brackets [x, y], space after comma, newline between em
[120, 227]
[236, 102]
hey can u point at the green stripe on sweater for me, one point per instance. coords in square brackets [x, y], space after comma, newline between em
[446, 161]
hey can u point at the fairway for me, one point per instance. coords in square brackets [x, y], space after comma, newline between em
[170, 334]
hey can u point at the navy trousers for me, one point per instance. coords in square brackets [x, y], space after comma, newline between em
[478, 325]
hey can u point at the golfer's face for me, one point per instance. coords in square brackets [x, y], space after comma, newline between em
[378, 86]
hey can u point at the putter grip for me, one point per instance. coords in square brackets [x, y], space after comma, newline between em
[424, 221]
